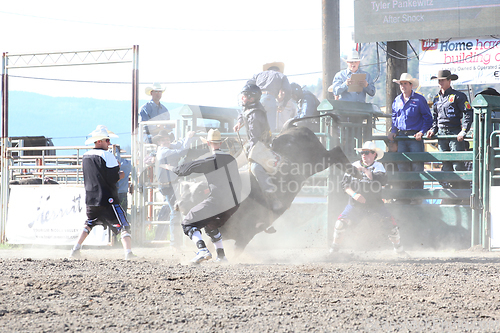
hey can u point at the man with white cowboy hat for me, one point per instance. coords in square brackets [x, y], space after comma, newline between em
[224, 182]
[271, 81]
[411, 116]
[452, 115]
[343, 81]
[365, 198]
[101, 172]
[153, 110]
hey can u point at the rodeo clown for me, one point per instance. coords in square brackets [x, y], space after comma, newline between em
[365, 197]
[224, 182]
[101, 172]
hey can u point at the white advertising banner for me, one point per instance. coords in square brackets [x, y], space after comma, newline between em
[49, 215]
[495, 217]
[474, 60]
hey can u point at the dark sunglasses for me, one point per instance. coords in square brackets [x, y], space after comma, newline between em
[108, 140]
[366, 152]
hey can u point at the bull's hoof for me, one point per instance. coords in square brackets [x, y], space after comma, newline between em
[270, 230]
[260, 226]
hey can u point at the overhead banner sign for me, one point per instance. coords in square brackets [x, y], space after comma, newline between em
[474, 60]
[49, 215]
[392, 20]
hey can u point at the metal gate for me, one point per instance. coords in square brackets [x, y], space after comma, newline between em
[486, 165]
[56, 59]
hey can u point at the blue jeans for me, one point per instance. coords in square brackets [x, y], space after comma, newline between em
[358, 212]
[452, 145]
[271, 106]
[411, 146]
[168, 213]
[263, 178]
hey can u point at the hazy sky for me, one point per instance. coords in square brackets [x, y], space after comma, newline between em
[179, 42]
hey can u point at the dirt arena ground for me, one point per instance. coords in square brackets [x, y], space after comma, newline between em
[264, 290]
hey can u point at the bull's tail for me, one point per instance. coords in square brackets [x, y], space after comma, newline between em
[333, 117]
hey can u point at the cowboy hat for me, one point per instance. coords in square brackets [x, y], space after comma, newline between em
[407, 77]
[213, 136]
[100, 133]
[354, 56]
[161, 135]
[154, 87]
[280, 65]
[111, 134]
[445, 74]
[370, 145]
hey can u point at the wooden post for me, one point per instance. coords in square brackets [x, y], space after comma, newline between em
[396, 64]
[331, 65]
[331, 43]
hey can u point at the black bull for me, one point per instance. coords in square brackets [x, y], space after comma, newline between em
[304, 155]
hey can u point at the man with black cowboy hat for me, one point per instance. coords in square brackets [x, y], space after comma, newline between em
[153, 110]
[224, 182]
[365, 198]
[346, 87]
[271, 81]
[452, 115]
[169, 152]
[411, 116]
[101, 172]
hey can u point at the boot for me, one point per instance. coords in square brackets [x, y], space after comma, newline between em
[201, 256]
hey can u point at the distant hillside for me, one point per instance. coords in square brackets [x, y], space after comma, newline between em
[68, 120]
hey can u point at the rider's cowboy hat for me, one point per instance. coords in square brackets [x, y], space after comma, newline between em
[370, 145]
[154, 87]
[354, 56]
[445, 74]
[280, 65]
[213, 136]
[100, 133]
[407, 77]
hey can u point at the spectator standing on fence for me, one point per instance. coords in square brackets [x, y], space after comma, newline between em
[411, 116]
[452, 115]
[271, 81]
[307, 107]
[349, 83]
[288, 112]
[153, 110]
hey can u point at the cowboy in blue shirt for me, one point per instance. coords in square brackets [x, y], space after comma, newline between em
[411, 116]
[153, 110]
[342, 81]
